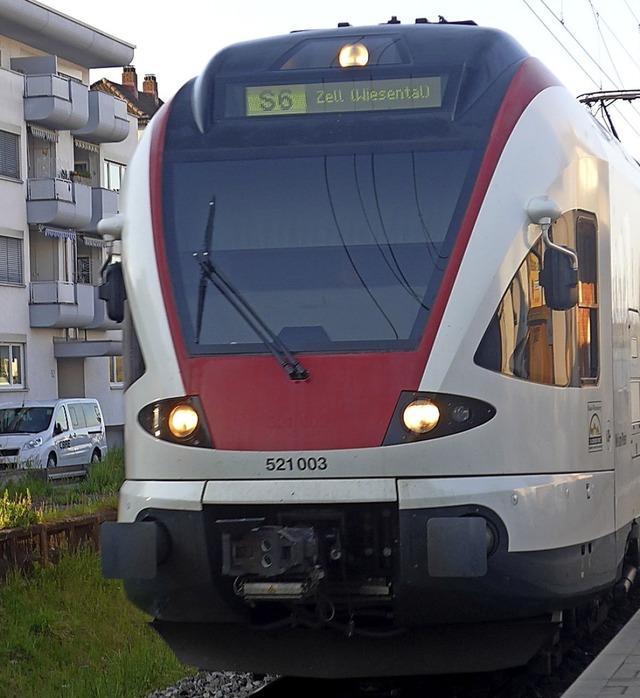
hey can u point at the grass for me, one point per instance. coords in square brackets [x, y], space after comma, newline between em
[66, 631]
[49, 502]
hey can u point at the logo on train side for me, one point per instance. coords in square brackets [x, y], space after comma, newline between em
[595, 426]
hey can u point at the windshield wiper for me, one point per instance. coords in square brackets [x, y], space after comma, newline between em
[209, 272]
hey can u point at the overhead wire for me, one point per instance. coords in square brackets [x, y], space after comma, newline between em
[561, 44]
[620, 44]
[576, 40]
[598, 17]
[632, 12]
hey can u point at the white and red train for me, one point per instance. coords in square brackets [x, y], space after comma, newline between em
[383, 403]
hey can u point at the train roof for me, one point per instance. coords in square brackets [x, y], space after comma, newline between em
[481, 57]
[394, 45]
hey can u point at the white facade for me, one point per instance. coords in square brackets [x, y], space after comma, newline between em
[55, 140]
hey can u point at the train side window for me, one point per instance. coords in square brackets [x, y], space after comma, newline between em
[588, 335]
[528, 340]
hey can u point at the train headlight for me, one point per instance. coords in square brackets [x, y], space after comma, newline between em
[183, 421]
[353, 55]
[179, 420]
[421, 416]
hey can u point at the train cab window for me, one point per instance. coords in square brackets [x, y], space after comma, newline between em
[528, 340]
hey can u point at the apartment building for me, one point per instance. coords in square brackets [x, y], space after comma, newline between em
[63, 151]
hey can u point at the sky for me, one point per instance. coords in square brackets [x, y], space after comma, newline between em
[589, 44]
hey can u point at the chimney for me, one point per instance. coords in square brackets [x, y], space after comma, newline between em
[150, 87]
[130, 79]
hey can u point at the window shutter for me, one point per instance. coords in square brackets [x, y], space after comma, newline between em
[9, 155]
[10, 260]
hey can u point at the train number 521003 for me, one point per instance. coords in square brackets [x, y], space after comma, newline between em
[298, 464]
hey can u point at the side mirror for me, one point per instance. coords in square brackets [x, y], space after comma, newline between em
[559, 279]
[113, 292]
[559, 273]
[57, 429]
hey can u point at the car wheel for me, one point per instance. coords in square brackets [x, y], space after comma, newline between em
[51, 461]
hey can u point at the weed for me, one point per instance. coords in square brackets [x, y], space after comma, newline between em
[17, 510]
[105, 476]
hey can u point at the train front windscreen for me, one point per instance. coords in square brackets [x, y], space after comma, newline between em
[325, 206]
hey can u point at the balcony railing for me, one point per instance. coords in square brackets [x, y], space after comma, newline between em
[55, 101]
[52, 292]
[104, 204]
[108, 120]
[58, 201]
[60, 304]
[67, 304]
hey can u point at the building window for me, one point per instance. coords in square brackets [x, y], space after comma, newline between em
[11, 366]
[83, 275]
[113, 174]
[10, 260]
[116, 371]
[9, 155]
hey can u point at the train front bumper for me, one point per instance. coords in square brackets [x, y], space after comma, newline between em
[480, 548]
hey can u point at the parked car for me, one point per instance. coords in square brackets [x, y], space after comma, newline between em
[63, 436]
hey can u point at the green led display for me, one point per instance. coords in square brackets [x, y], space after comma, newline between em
[352, 96]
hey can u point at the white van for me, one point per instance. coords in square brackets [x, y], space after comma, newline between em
[63, 436]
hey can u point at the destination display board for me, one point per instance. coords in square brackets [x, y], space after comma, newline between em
[350, 96]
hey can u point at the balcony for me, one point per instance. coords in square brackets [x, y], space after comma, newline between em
[58, 202]
[82, 349]
[108, 120]
[58, 304]
[101, 321]
[56, 102]
[104, 204]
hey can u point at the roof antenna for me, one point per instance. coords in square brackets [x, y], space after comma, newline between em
[394, 20]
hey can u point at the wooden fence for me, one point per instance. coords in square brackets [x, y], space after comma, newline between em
[21, 548]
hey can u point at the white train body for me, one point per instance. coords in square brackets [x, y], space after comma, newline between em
[488, 532]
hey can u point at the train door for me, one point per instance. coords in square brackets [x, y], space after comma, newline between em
[592, 367]
[625, 322]
[626, 426]
[633, 326]
[566, 349]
